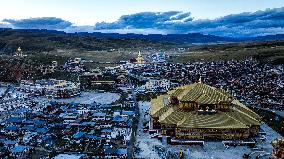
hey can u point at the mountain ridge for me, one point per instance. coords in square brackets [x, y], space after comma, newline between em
[189, 38]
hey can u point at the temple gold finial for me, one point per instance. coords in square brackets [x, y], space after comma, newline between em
[140, 59]
[19, 49]
[200, 80]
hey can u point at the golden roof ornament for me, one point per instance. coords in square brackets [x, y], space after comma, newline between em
[200, 80]
[140, 59]
[19, 49]
[139, 54]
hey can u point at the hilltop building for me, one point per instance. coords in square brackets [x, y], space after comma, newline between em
[199, 111]
[19, 53]
[140, 59]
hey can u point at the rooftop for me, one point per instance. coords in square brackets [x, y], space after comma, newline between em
[237, 115]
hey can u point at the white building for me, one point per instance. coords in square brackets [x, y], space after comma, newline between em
[158, 85]
[51, 88]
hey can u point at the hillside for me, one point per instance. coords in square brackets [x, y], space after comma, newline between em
[45, 46]
[33, 41]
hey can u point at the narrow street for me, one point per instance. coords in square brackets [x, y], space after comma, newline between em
[130, 149]
[144, 143]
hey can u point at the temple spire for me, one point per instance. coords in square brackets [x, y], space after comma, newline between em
[200, 80]
[140, 59]
[19, 52]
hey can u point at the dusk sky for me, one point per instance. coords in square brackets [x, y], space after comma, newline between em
[146, 16]
[88, 12]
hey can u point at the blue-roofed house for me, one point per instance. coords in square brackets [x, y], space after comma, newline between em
[88, 123]
[21, 110]
[79, 135]
[118, 120]
[121, 152]
[28, 121]
[17, 120]
[127, 113]
[99, 116]
[42, 130]
[70, 156]
[17, 150]
[39, 122]
[110, 153]
[105, 107]
[106, 133]
[12, 128]
[9, 142]
[28, 127]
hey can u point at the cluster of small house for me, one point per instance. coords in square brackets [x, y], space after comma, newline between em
[99, 130]
[148, 83]
[155, 85]
[51, 88]
[245, 78]
[158, 57]
[74, 65]
[106, 79]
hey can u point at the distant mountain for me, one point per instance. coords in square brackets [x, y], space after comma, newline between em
[266, 38]
[191, 38]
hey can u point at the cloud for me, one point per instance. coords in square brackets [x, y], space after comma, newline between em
[5, 25]
[136, 31]
[145, 20]
[39, 23]
[247, 24]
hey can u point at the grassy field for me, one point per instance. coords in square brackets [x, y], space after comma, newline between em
[272, 51]
[264, 51]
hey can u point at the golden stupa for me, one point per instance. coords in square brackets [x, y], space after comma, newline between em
[19, 52]
[140, 59]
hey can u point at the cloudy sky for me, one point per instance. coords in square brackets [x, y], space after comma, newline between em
[233, 18]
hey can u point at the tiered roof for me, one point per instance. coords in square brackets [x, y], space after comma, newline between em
[278, 144]
[201, 93]
[238, 116]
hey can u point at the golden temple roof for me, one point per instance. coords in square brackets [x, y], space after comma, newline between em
[237, 116]
[201, 93]
[210, 121]
[278, 144]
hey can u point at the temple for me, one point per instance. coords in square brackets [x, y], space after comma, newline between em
[199, 111]
[19, 53]
[140, 59]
